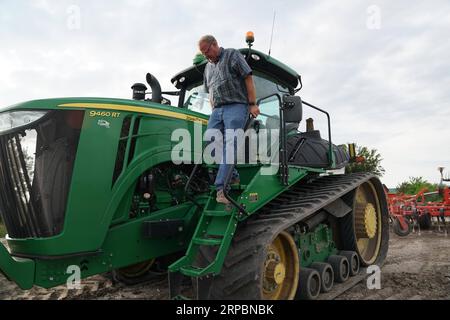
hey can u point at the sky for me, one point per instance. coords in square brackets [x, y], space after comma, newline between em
[380, 68]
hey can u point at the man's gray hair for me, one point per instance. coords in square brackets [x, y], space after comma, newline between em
[208, 39]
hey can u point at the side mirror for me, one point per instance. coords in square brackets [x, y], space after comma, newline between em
[292, 108]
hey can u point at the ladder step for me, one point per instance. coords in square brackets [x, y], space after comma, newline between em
[217, 213]
[191, 271]
[207, 242]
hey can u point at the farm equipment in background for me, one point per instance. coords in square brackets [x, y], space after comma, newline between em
[91, 182]
[408, 212]
[402, 224]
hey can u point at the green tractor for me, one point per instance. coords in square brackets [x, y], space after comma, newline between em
[91, 182]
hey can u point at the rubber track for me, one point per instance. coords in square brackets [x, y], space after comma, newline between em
[239, 278]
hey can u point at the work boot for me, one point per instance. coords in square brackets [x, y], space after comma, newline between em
[221, 197]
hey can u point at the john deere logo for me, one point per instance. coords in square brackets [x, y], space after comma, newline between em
[103, 123]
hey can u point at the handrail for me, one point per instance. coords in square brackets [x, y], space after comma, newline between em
[283, 161]
[330, 149]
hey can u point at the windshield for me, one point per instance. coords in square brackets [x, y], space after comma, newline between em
[198, 100]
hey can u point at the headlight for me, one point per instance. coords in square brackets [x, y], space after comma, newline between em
[14, 119]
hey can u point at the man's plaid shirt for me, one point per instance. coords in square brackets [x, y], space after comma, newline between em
[225, 80]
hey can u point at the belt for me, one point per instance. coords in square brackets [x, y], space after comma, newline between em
[224, 105]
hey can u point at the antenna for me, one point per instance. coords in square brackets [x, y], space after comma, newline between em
[273, 27]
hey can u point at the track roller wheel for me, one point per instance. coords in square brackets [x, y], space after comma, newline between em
[326, 275]
[366, 229]
[353, 260]
[309, 285]
[280, 268]
[340, 267]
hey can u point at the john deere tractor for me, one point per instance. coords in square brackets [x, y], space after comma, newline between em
[91, 183]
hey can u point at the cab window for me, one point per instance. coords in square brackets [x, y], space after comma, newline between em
[198, 100]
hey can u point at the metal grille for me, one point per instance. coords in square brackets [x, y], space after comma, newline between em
[16, 189]
[36, 165]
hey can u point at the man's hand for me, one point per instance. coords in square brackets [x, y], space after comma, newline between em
[254, 110]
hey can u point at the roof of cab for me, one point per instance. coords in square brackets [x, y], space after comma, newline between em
[258, 62]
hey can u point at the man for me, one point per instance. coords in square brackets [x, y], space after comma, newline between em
[229, 82]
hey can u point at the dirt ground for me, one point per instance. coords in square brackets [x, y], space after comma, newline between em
[417, 267]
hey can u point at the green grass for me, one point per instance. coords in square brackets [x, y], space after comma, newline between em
[2, 230]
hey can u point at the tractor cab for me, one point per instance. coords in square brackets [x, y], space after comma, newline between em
[276, 88]
[271, 77]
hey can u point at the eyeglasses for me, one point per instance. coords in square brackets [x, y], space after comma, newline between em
[207, 50]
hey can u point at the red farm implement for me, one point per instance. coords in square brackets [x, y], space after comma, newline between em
[408, 212]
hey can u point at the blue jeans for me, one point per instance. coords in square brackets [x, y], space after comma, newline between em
[230, 116]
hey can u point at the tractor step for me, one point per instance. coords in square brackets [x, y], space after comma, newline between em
[191, 271]
[215, 228]
[207, 241]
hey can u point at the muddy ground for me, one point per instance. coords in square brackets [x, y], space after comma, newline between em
[417, 267]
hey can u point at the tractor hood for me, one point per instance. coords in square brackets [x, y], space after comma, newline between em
[44, 143]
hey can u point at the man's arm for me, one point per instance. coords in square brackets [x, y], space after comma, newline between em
[251, 91]
[241, 67]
